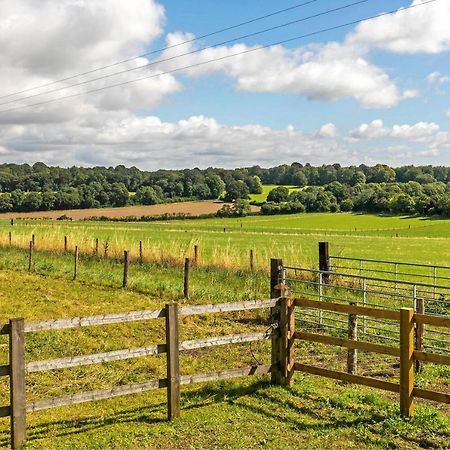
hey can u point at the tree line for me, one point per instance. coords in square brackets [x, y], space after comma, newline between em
[379, 188]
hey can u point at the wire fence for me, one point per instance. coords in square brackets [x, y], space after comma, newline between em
[371, 291]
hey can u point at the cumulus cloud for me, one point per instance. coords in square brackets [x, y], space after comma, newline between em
[323, 72]
[418, 132]
[151, 143]
[437, 78]
[422, 29]
[328, 130]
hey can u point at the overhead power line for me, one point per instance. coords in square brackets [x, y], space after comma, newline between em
[143, 55]
[251, 50]
[171, 58]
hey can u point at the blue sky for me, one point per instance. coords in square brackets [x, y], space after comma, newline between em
[217, 97]
[369, 93]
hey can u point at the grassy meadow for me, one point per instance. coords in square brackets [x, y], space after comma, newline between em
[241, 414]
[267, 188]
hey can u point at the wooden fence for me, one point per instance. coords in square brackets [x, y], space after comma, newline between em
[283, 335]
[18, 367]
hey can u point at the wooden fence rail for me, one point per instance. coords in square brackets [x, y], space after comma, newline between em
[282, 334]
[18, 368]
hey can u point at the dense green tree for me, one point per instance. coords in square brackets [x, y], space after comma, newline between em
[278, 194]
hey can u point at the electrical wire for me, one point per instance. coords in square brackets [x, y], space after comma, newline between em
[191, 66]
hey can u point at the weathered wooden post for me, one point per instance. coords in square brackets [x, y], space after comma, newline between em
[352, 353]
[126, 264]
[173, 361]
[187, 266]
[141, 253]
[287, 329]
[252, 262]
[33, 240]
[406, 361]
[275, 312]
[75, 262]
[96, 247]
[12, 222]
[196, 254]
[324, 261]
[65, 244]
[419, 331]
[30, 257]
[17, 382]
[10, 238]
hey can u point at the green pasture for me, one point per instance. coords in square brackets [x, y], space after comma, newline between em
[226, 243]
[267, 188]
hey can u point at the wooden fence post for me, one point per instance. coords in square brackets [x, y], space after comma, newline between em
[10, 238]
[96, 247]
[173, 361]
[252, 262]
[75, 262]
[276, 344]
[324, 260]
[17, 382]
[126, 264]
[33, 240]
[30, 257]
[352, 353]
[419, 333]
[406, 361]
[12, 222]
[141, 253]
[65, 244]
[187, 266]
[287, 329]
[196, 254]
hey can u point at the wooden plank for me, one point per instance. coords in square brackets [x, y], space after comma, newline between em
[173, 361]
[223, 340]
[17, 382]
[378, 313]
[343, 376]
[88, 321]
[406, 362]
[427, 394]
[347, 343]
[275, 311]
[226, 374]
[187, 266]
[120, 355]
[225, 307]
[87, 360]
[287, 329]
[352, 352]
[431, 357]
[419, 330]
[5, 411]
[126, 265]
[101, 394]
[438, 321]
[4, 370]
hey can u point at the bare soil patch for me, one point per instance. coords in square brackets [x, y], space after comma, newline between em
[192, 208]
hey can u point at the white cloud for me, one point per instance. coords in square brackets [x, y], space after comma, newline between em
[372, 130]
[151, 143]
[329, 130]
[422, 29]
[324, 72]
[437, 78]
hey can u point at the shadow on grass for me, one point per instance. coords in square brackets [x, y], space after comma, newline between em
[271, 404]
[298, 410]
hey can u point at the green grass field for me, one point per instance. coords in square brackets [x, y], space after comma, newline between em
[226, 243]
[244, 413]
[266, 189]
